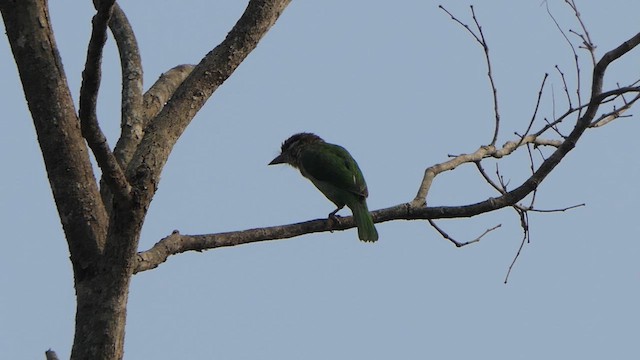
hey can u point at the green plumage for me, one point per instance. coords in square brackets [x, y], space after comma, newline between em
[335, 173]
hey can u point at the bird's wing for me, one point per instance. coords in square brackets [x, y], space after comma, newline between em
[333, 164]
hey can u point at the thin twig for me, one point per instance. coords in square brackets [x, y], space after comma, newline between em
[565, 87]
[586, 38]
[490, 181]
[615, 114]
[603, 98]
[454, 241]
[535, 111]
[462, 24]
[551, 210]
[524, 223]
[494, 89]
[480, 39]
[575, 57]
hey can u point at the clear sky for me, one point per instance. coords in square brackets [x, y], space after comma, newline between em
[401, 86]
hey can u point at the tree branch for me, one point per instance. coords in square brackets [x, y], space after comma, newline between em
[64, 151]
[483, 152]
[91, 76]
[456, 242]
[535, 111]
[177, 243]
[616, 113]
[480, 39]
[131, 125]
[164, 130]
[526, 236]
[162, 90]
[131, 103]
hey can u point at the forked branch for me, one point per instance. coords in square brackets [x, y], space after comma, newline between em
[163, 130]
[482, 41]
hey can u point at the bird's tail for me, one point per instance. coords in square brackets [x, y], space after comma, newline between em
[366, 229]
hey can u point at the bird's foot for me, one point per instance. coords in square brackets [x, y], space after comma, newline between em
[333, 220]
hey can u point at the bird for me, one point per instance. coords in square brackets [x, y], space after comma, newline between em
[335, 173]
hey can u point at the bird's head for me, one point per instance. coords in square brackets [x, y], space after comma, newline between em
[291, 148]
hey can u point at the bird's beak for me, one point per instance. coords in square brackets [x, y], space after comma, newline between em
[278, 160]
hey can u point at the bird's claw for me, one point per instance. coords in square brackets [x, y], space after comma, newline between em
[333, 220]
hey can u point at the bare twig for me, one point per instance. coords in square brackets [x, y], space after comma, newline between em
[524, 223]
[458, 243]
[602, 99]
[490, 181]
[462, 24]
[615, 114]
[503, 184]
[483, 152]
[554, 127]
[565, 87]
[550, 210]
[524, 218]
[535, 111]
[575, 57]
[480, 39]
[586, 39]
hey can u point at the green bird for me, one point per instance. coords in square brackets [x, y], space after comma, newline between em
[334, 172]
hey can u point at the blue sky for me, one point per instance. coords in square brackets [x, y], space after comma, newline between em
[401, 87]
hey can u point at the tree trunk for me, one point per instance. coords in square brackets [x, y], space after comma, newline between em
[101, 253]
[102, 289]
[101, 316]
